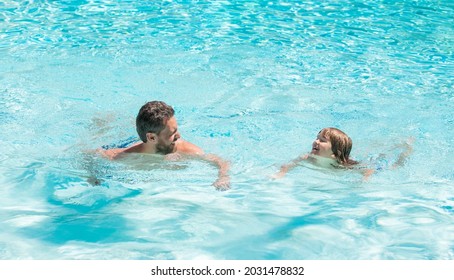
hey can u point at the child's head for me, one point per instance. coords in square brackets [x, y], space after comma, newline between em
[338, 141]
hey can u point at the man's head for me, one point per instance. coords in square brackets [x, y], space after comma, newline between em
[156, 123]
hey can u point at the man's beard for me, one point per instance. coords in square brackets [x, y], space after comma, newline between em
[165, 149]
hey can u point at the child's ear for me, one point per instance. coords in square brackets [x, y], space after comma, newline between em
[151, 137]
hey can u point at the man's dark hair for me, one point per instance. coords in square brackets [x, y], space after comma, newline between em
[152, 117]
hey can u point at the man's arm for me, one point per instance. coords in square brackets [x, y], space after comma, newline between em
[223, 181]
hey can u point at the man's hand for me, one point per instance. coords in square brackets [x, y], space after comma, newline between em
[222, 183]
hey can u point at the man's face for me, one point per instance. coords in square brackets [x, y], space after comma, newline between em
[168, 137]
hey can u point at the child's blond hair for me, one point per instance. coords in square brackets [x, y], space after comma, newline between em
[341, 145]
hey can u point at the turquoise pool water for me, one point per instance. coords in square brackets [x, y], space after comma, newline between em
[252, 82]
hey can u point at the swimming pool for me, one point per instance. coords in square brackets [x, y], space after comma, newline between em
[252, 82]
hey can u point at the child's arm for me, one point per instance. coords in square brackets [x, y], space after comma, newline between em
[406, 152]
[367, 173]
[289, 166]
[408, 149]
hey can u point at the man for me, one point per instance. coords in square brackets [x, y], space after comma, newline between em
[158, 130]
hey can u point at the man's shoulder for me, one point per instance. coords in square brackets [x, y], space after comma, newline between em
[189, 148]
[111, 153]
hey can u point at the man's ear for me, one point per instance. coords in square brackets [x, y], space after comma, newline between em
[152, 137]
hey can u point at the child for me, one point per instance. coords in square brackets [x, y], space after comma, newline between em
[332, 148]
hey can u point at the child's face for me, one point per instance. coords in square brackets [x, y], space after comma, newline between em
[322, 147]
